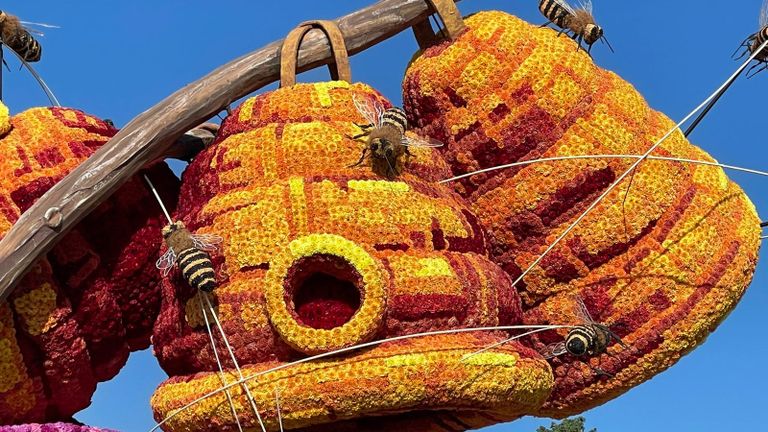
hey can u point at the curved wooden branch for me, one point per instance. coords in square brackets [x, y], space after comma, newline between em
[149, 136]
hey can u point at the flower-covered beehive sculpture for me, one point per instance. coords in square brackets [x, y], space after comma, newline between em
[74, 318]
[665, 266]
[318, 256]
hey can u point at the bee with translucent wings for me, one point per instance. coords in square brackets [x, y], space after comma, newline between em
[385, 136]
[579, 22]
[191, 253]
[586, 340]
[17, 35]
[754, 41]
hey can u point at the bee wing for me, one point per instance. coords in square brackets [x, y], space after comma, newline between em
[764, 15]
[37, 24]
[370, 109]
[207, 242]
[586, 5]
[421, 142]
[34, 32]
[564, 4]
[166, 262]
[553, 350]
[580, 309]
[30, 27]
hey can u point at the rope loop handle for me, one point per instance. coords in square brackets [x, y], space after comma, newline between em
[452, 21]
[289, 52]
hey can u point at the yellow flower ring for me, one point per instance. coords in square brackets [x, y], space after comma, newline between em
[291, 274]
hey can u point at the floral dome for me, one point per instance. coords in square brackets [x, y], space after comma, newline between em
[663, 261]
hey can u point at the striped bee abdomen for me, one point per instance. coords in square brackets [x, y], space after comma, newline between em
[579, 340]
[28, 47]
[554, 12]
[396, 117]
[197, 269]
[760, 39]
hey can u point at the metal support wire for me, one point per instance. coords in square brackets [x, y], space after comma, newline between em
[711, 105]
[221, 368]
[234, 361]
[498, 344]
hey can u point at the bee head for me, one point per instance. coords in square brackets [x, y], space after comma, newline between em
[380, 147]
[576, 344]
[172, 228]
[593, 33]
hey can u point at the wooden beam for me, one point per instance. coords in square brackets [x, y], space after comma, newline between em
[149, 136]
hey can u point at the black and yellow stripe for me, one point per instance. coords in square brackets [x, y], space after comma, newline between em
[759, 40]
[396, 117]
[555, 12]
[580, 340]
[29, 49]
[197, 269]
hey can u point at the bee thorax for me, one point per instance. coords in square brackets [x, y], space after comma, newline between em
[396, 117]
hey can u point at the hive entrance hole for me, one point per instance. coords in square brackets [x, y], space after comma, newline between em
[325, 291]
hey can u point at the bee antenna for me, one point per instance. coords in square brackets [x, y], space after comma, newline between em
[605, 39]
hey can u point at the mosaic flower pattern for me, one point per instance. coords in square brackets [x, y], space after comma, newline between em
[665, 262]
[74, 318]
[374, 259]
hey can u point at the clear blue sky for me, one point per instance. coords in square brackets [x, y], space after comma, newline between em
[116, 59]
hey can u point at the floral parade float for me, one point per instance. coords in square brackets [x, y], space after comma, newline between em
[318, 255]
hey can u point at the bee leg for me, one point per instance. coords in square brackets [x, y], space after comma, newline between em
[364, 127]
[600, 372]
[408, 155]
[362, 158]
[589, 50]
[546, 24]
[578, 43]
[744, 43]
[743, 53]
[750, 74]
[757, 71]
